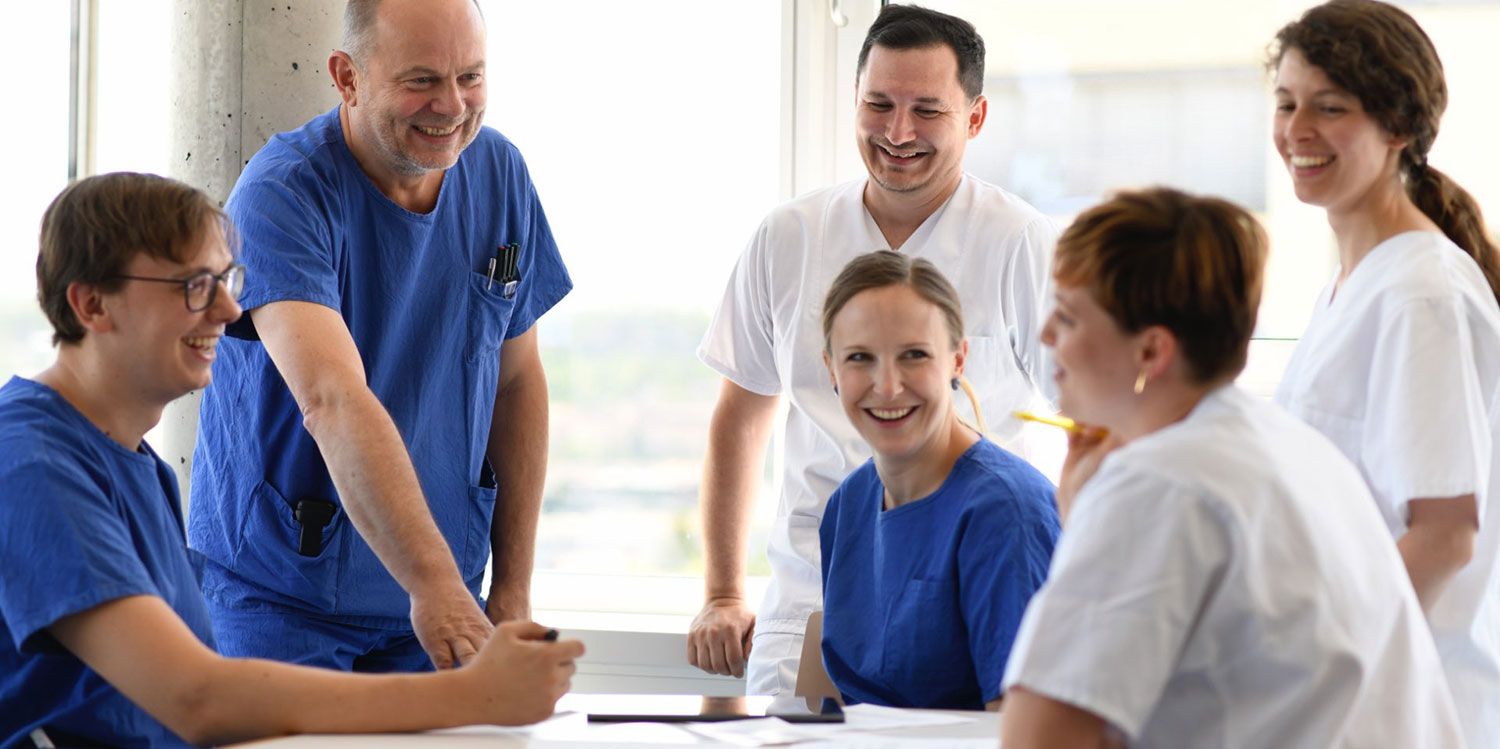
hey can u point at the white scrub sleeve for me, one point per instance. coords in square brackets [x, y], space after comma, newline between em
[1425, 432]
[1133, 568]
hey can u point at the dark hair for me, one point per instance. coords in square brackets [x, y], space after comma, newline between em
[883, 268]
[911, 27]
[1193, 265]
[1379, 54]
[96, 225]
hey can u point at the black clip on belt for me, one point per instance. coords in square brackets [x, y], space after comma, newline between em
[313, 515]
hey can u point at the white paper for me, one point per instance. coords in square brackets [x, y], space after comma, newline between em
[865, 741]
[754, 732]
[876, 717]
[858, 719]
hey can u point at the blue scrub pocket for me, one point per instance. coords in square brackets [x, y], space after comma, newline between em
[925, 639]
[476, 546]
[488, 319]
[267, 550]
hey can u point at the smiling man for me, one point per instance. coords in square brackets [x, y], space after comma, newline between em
[387, 378]
[918, 104]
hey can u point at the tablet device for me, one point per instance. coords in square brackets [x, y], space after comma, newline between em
[671, 708]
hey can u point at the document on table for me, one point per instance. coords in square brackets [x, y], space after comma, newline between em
[865, 741]
[876, 717]
[574, 727]
[858, 719]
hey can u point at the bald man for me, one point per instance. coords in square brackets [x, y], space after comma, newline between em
[379, 422]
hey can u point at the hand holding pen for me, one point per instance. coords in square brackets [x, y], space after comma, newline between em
[1087, 446]
[1062, 422]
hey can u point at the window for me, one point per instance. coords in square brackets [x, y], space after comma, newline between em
[133, 106]
[35, 39]
[653, 133]
[1175, 92]
[132, 116]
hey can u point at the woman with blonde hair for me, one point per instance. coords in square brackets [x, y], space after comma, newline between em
[1400, 364]
[931, 549]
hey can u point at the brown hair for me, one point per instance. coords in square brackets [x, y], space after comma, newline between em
[96, 225]
[883, 268]
[1193, 265]
[913, 27]
[1378, 53]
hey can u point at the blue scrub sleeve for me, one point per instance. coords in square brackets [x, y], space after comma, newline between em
[1002, 560]
[64, 549]
[828, 530]
[544, 278]
[288, 256]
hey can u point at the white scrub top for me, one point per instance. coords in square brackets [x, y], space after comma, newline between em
[1401, 370]
[767, 337]
[1224, 582]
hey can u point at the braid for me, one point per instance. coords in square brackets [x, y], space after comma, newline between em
[1455, 211]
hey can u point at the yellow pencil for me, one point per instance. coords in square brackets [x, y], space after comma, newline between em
[1062, 422]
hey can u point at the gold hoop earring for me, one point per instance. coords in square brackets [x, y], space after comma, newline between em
[1140, 383]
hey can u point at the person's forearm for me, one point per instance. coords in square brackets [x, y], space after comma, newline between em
[207, 699]
[727, 502]
[1439, 541]
[244, 699]
[1033, 720]
[379, 490]
[1432, 558]
[731, 470]
[518, 454]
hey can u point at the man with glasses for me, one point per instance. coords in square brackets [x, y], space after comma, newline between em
[104, 636]
[201, 289]
[387, 380]
[920, 77]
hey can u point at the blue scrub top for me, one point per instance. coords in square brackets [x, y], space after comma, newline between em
[415, 294]
[83, 521]
[921, 602]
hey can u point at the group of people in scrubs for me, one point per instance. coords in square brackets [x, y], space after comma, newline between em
[106, 638]
[376, 429]
[1228, 573]
[1211, 570]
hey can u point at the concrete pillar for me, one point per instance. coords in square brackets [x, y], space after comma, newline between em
[242, 71]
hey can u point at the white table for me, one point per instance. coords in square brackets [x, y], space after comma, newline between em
[569, 729]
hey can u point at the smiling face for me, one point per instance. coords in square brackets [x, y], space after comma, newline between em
[892, 359]
[1095, 361]
[913, 120]
[1337, 155]
[156, 344]
[418, 98]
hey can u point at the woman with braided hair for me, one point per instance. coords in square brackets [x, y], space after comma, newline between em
[1400, 364]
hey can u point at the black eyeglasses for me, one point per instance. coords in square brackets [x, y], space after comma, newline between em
[200, 289]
